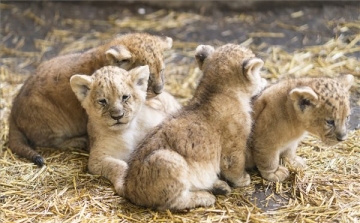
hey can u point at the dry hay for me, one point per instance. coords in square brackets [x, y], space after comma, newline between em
[327, 191]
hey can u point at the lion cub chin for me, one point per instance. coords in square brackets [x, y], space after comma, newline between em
[286, 111]
[119, 116]
[178, 164]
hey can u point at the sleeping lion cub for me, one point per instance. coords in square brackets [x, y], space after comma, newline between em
[119, 118]
[286, 111]
[180, 161]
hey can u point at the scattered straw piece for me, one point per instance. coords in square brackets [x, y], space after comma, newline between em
[63, 191]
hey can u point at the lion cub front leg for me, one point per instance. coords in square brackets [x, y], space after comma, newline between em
[268, 164]
[109, 167]
[290, 157]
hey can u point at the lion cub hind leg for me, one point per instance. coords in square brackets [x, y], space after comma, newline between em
[161, 181]
[76, 142]
[243, 181]
[192, 199]
[233, 169]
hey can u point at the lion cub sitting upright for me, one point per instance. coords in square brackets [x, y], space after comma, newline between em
[285, 111]
[119, 118]
[180, 161]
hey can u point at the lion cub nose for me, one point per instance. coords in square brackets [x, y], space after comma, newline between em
[117, 116]
[341, 136]
[158, 88]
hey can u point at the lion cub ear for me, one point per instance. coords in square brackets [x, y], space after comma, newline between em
[80, 84]
[118, 55]
[166, 42]
[346, 80]
[252, 67]
[140, 77]
[303, 97]
[201, 53]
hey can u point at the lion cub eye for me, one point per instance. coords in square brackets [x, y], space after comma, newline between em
[330, 122]
[125, 97]
[102, 102]
[120, 62]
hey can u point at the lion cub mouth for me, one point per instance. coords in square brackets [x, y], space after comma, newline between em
[118, 123]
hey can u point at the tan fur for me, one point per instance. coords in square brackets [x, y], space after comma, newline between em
[286, 111]
[119, 118]
[178, 163]
[46, 112]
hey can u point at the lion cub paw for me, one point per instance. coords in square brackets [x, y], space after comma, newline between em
[279, 175]
[243, 181]
[298, 163]
[119, 188]
[204, 199]
[221, 188]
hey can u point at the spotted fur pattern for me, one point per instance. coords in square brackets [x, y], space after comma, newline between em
[286, 111]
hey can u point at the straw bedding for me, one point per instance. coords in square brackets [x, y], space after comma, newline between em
[62, 191]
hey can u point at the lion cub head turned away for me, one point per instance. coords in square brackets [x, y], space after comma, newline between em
[287, 110]
[178, 164]
[119, 116]
[144, 49]
[46, 113]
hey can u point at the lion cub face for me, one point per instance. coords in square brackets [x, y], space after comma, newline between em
[324, 108]
[112, 96]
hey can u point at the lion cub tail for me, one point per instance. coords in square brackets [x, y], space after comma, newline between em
[19, 144]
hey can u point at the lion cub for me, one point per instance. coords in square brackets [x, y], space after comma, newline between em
[114, 100]
[286, 111]
[46, 112]
[180, 161]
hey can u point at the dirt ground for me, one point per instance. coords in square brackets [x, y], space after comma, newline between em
[26, 26]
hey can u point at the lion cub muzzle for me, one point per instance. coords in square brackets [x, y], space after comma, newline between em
[156, 86]
[341, 135]
[117, 114]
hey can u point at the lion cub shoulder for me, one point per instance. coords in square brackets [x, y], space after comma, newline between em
[119, 116]
[287, 110]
